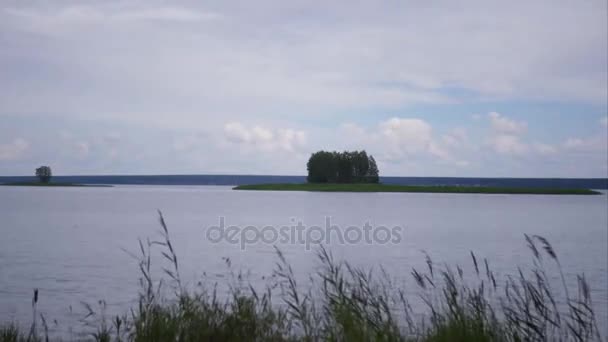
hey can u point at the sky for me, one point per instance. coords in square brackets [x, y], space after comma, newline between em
[430, 88]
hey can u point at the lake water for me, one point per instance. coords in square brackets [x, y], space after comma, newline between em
[70, 242]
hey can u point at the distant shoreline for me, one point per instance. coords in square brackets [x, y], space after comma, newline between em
[319, 187]
[55, 184]
[233, 180]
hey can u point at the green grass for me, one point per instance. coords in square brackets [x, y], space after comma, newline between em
[343, 302]
[411, 188]
[51, 184]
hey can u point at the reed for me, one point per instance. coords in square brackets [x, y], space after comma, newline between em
[342, 302]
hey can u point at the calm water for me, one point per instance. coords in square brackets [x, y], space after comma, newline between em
[69, 242]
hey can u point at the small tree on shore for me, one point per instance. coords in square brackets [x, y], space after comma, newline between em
[44, 174]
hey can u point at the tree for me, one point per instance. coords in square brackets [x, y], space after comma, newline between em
[360, 165]
[342, 167]
[345, 167]
[44, 174]
[373, 173]
[322, 167]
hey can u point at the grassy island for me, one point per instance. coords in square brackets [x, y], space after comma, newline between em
[359, 187]
[53, 184]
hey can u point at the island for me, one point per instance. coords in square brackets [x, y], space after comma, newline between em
[59, 184]
[44, 175]
[358, 172]
[336, 187]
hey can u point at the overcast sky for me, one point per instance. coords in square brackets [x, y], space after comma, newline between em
[430, 88]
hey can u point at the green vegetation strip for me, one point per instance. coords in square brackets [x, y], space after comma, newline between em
[411, 188]
[53, 184]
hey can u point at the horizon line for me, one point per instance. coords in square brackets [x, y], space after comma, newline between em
[275, 175]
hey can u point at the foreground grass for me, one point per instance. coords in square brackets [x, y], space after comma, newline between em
[52, 184]
[345, 303]
[412, 188]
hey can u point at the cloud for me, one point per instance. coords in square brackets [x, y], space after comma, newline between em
[406, 136]
[263, 138]
[594, 142]
[509, 144]
[188, 142]
[503, 125]
[300, 69]
[574, 143]
[204, 61]
[167, 14]
[398, 141]
[13, 150]
[589, 144]
[505, 136]
[62, 19]
[106, 146]
[513, 146]
[402, 145]
[544, 149]
[457, 137]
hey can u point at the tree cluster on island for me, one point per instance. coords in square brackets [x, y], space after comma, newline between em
[342, 167]
[44, 174]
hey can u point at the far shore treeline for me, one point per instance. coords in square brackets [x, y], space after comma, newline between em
[342, 167]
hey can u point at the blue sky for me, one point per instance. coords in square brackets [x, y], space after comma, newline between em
[506, 89]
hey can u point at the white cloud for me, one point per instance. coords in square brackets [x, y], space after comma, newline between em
[397, 142]
[63, 19]
[589, 144]
[263, 138]
[504, 125]
[406, 136]
[506, 136]
[290, 139]
[13, 150]
[574, 143]
[509, 144]
[457, 137]
[236, 132]
[544, 149]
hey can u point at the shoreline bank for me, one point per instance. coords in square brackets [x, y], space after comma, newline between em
[321, 187]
